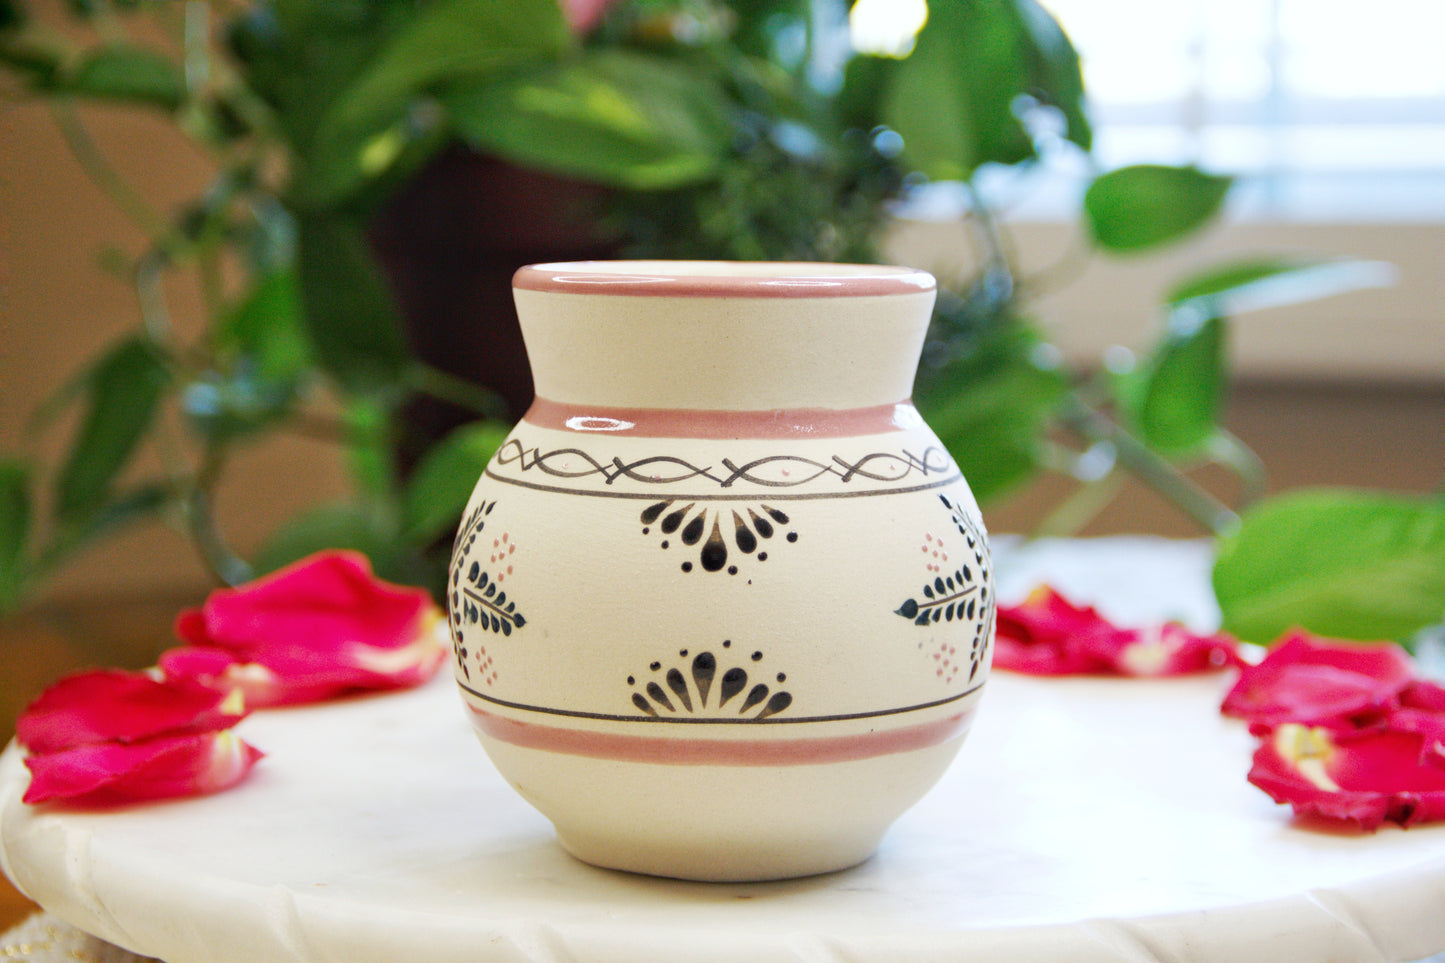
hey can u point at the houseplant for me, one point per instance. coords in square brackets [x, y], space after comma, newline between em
[656, 128]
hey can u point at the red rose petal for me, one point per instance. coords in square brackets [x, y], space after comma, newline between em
[113, 705]
[1424, 695]
[1049, 635]
[320, 628]
[1319, 682]
[163, 767]
[1365, 777]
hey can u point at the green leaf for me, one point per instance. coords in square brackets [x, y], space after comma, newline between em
[952, 98]
[1137, 208]
[351, 320]
[359, 120]
[1054, 72]
[38, 62]
[613, 117]
[990, 410]
[123, 392]
[1272, 281]
[268, 327]
[448, 39]
[124, 72]
[1176, 406]
[438, 491]
[1337, 562]
[370, 448]
[15, 519]
[866, 78]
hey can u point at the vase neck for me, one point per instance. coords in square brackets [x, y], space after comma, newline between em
[754, 341]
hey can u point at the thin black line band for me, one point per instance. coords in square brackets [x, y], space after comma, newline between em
[736, 497]
[771, 720]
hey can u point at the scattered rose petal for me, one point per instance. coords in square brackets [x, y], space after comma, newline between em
[1424, 695]
[113, 705]
[1168, 649]
[320, 628]
[1365, 777]
[1049, 635]
[161, 767]
[1316, 682]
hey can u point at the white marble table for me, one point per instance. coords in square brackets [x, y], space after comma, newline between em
[1086, 820]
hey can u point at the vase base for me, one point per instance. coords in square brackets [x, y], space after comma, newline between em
[721, 823]
[705, 863]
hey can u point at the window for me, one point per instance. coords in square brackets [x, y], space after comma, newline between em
[1332, 109]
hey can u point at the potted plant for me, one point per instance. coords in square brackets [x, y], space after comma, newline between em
[383, 165]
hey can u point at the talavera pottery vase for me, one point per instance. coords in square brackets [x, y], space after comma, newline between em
[722, 604]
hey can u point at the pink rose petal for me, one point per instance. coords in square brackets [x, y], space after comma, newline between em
[162, 767]
[1319, 682]
[114, 705]
[1365, 777]
[1049, 635]
[320, 628]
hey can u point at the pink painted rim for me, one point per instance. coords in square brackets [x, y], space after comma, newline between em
[690, 423]
[661, 750]
[742, 279]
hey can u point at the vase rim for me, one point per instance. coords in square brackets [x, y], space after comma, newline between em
[735, 279]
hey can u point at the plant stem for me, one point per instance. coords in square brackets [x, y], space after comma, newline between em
[1080, 508]
[92, 159]
[224, 565]
[1226, 449]
[1212, 514]
[446, 386]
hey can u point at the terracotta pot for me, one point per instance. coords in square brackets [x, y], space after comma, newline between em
[449, 241]
[722, 604]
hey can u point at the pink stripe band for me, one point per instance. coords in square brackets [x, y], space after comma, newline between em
[696, 423]
[720, 752]
[701, 279]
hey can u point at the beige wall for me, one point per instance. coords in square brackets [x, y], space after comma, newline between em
[1379, 422]
[58, 307]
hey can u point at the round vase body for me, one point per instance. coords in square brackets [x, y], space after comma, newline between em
[721, 603]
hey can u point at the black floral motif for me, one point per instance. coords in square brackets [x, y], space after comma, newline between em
[482, 603]
[947, 596]
[965, 596]
[467, 533]
[469, 529]
[717, 531]
[698, 685]
[476, 599]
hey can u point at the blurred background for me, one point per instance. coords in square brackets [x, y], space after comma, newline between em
[1332, 119]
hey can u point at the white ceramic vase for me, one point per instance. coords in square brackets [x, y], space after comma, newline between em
[722, 603]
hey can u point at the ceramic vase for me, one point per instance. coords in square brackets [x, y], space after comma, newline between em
[721, 603]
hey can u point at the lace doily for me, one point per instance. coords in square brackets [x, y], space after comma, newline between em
[44, 939]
